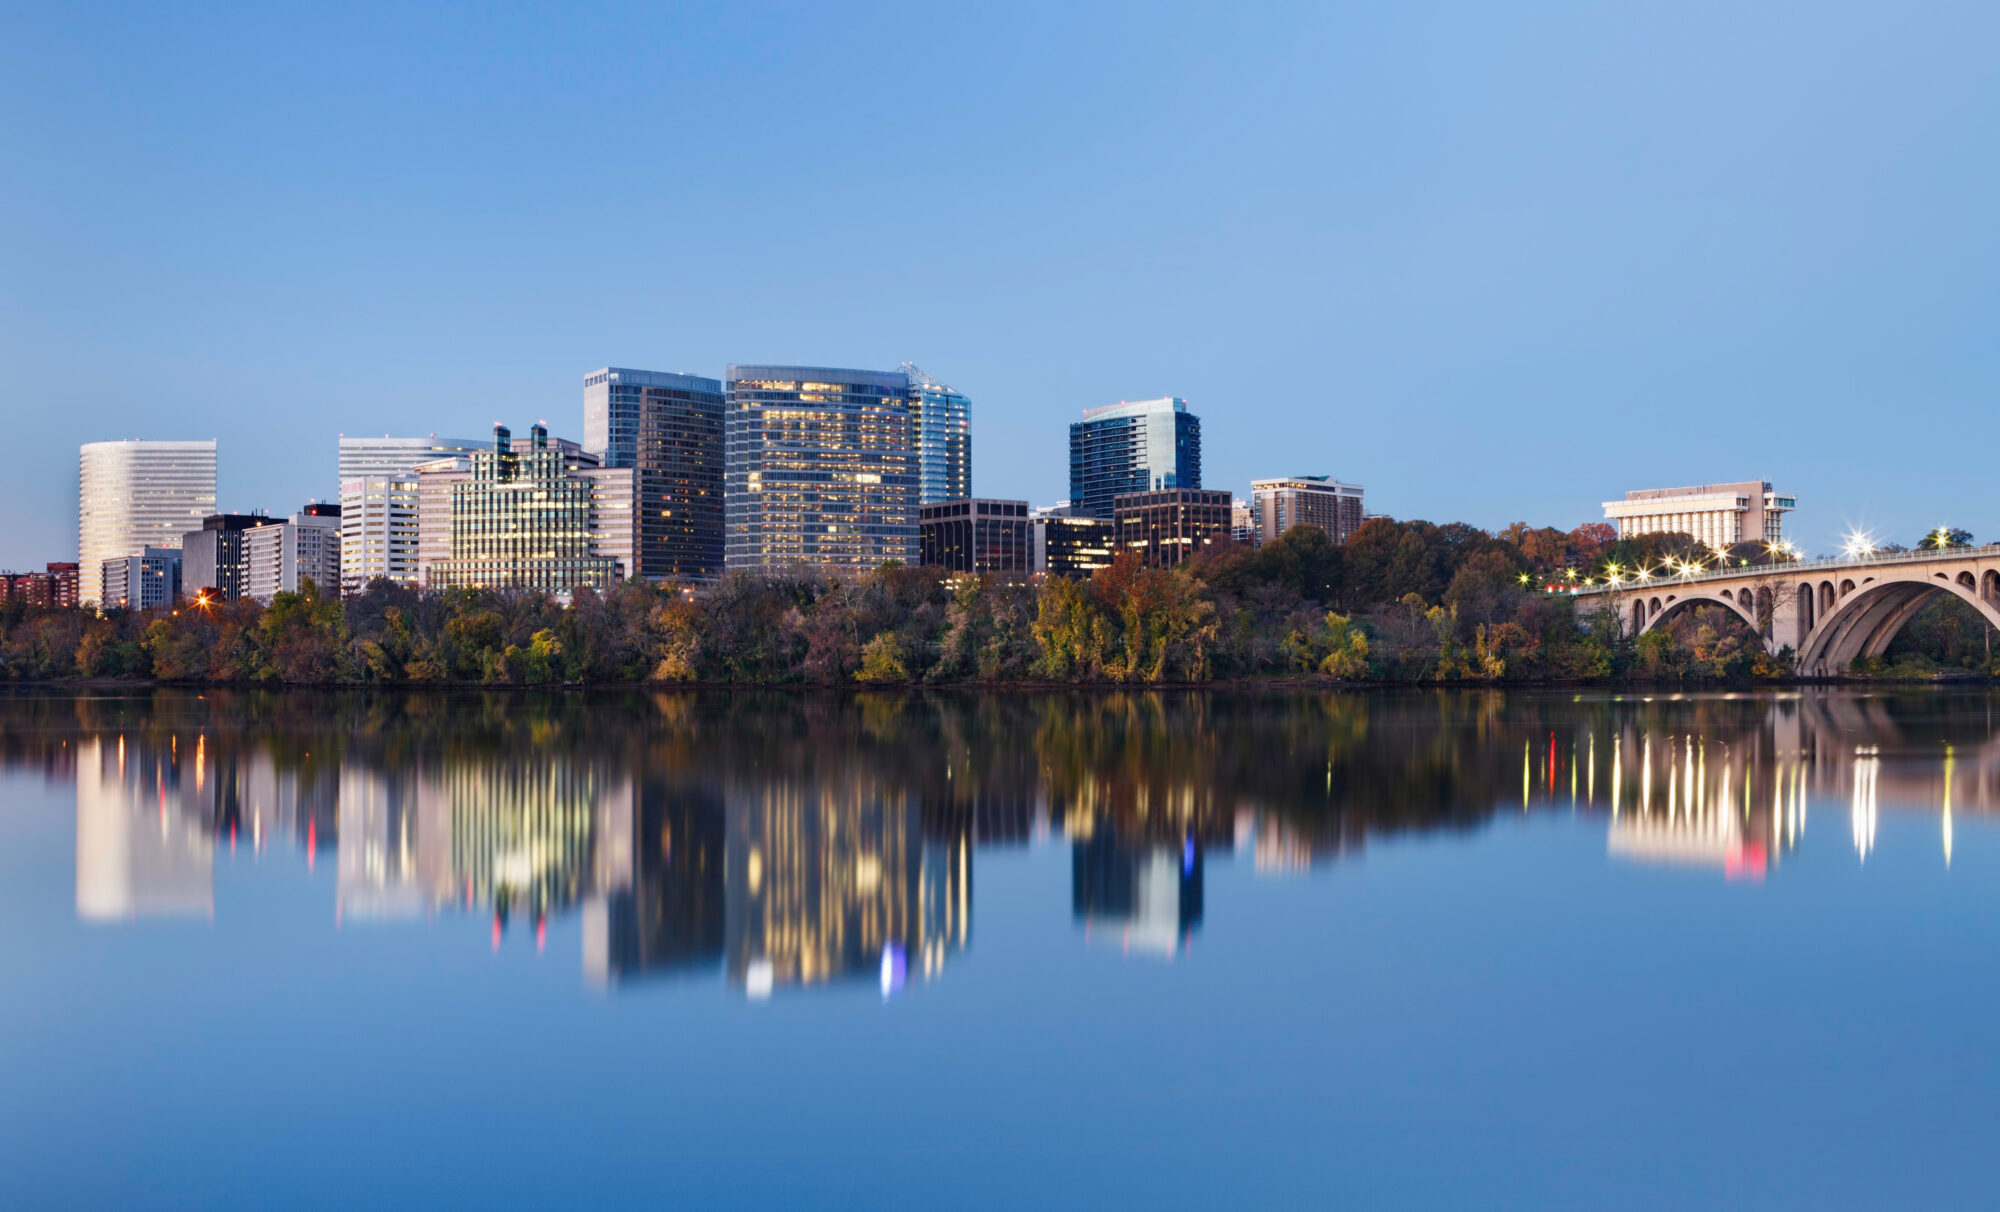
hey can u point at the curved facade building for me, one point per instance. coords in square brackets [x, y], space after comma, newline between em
[133, 495]
[821, 467]
[1141, 446]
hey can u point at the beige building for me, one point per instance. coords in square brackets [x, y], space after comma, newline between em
[1277, 505]
[1719, 515]
[435, 480]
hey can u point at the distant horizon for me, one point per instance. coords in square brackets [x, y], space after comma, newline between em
[1494, 265]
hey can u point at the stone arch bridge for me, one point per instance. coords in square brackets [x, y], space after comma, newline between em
[1830, 613]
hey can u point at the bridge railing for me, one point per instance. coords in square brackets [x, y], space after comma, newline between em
[1823, 563]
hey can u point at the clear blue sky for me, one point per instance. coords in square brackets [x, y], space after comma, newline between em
[1492, 262]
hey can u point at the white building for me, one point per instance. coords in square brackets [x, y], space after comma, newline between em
[1718, 515]
[145, 581]
[133, 495]
[378, 504]
[281, 558]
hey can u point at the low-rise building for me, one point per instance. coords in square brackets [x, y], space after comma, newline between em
[304, 547]
[1168, 527]
[1280, 503]
[142, 582]
[1067, 545]
[54, 587]
[1718, 515]
[973, 535]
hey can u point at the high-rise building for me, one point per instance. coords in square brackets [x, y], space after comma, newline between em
[378, 504]
[212, 558]
[134, 495]
[822, 468]
[976, 536]
[546, 519]
[668, 428]
[282, 558]
[1718, 515]
[1167, 528]
[1066, 545]
[1142, 446]
[435, 482]
[1277, 505]
[141, 582]
[943, 420]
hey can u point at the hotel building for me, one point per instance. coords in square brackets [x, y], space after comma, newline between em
[1143, 446]
[821, 468]
[1718, 515]
[668, 428]
[1277, 505]
[134, 495]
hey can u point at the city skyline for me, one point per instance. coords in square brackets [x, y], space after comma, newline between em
[1531, 261]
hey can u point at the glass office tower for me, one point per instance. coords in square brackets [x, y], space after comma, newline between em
[944, 438]
[822, 468]
[1143, 446]
[668, 428]
[134, 495]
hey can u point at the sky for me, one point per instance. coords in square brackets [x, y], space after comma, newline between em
[1492, 262]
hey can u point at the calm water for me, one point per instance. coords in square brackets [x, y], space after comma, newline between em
[1455, 949]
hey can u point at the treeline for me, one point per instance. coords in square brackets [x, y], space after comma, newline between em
[1401, 601]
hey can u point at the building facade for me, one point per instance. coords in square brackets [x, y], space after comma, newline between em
[133, 495]
[1167, 528]
[213, 558]
[435, 482]
[1143, 446]
[145, 581]
[976, 536]
[282, 558]
[1718, 515]
[1070, 546]
[54, 587]
[667, 428]
[378, 504]
[1277, 505]
[943, 420]
[822, 468]
[546, 519]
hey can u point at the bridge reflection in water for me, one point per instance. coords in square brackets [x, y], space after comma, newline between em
[793, 841]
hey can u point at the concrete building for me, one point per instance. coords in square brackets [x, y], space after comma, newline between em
[1278, 504]
[212, 558]
[141, 582]
[138, 494]
[667, 428]
[943, 419]
[1718, 515]
[282, 558]
[435, 482]
[1142, 446]
[378, 504]
[1167, 528]
[1066, 545]
[546, 519]
[976, 536]
[822, 468]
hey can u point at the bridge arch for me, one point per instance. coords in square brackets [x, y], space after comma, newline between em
[1658, 612]
[1867, 618]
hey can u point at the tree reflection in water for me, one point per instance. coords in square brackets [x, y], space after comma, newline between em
[798, 839]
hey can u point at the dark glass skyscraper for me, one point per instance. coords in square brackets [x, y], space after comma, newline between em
[1143, 446]
[668, 428]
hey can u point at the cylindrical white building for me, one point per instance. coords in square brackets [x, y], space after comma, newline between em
[135, 494]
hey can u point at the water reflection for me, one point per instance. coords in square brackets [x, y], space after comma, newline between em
[787, 842]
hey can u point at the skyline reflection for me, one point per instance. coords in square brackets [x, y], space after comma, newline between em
[787, 842]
